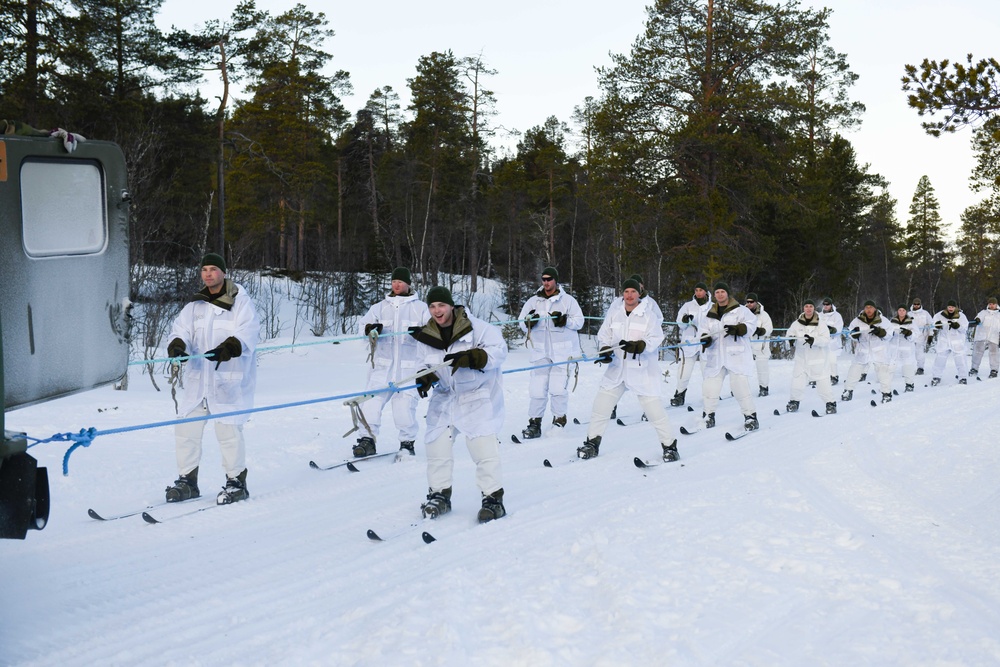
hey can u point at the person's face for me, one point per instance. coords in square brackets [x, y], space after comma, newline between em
[442, 313]
[752, 304]
[699, 293]
[548, 284]
[631, 297]
[901, 313]
[870, 311]
[399, 287]
[951, 310]
[213, 277]
[992, 306]
[827, 307]
[809, 310]
[916, 306]
[721, 297]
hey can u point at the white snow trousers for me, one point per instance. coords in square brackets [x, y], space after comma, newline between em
[687, 370]
[550, 385]
[404, 413]
[189, 436]
[882, 371]
[485, 452]
[652, 406]
[740, 385]
[941, 358]
[979, 347]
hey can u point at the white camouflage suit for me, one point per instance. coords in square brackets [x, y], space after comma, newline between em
[810, 359]
[950, 342]
[762, 350]
[549, 344]
[904, 347]
[727, 355]
[395, 359]
[690, 354]
[836, 320]
[203, 325]
[924, 322]
[466, 401]
[637, 373]
[872, 349]
[987, 338]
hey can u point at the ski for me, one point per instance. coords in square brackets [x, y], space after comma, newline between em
[817, 414]
[639, 463]
[621, 422]
[149, 518]
[350, 464]
[776, 413]
[513, 438]
[874, 404]
[687, 432]
[549, 464]
[426, 537]
[730, 437]
[114, 517]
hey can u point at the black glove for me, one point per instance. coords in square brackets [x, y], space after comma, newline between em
[706, 342]
[474, 359]
[230, 349]
[953, 324]
[687, 318]
[930, 340]
[878, 331]
[424, 383]
[975, 322]
[532, 319]
[414, 329]
[939, 325]
[906, 332]
[833, 331]
[558, 319]
[855, 333]
[809, 340]
[605, 356]
[759, 331]
[373, 325]
[177, 348]
[633, 347]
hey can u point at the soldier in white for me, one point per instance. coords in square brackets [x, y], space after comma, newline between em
[951, 325]
[904, 346]
[552, 319]
[812, 338]
[987, 324]
[688, 318]
[220, 322]
[873, 334]
[834, 322]
[762, 350]
[629, 339]
[394, 358]
[467, 398]
[924, 323]
[725, 337]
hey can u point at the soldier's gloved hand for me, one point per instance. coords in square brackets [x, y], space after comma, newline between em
[855, 333]
[373, 325]
[930, 340]
[558, 319]
[976, 322]
[939, 325]
[759, 332]
[474, 358]
[906, 332]
[833, 331]
[953, 324]
[687, 318]
[177, 348]
[424, 383]
[532, 319]
[735, 330]
[633, 347]
[809, 340]
[878, 331]
[229, 349]
[605, 356]
[414, 329]
[706, 342]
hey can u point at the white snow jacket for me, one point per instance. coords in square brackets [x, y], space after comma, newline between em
[810, 358]
[836, 320]
[203, 324]
[924, 322]
[470, 400]
[904, 348]
[547, 340]
[872, 349]
[395, 356]
[763, 322]
[988, 328]
[689, 330]
[727, 352]
[640, 373]
[949, 338]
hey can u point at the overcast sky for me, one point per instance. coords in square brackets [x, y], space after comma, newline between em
[545, 52]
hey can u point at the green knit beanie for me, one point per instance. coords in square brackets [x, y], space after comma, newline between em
[439, 294]
[402, 273]
[212, 259]
[551, 272]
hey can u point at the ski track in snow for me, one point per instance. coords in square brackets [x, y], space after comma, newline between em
[867, 538]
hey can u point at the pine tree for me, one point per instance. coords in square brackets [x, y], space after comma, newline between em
[923, 241]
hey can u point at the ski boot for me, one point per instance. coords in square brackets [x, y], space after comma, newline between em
[534, 429]
[185, 487]
[963, 381]
[365, 446]
[834, 379]
[678, 398]
[847, 395]
[559, 421]
[993, 374]
[793, 406]
[831, 408]
[935, 382]
[973, 372]
[234, 491]
[438, 503]
[762, 391]
[407, 446]
[670, 452]
[812, 384]
[920, 371]
[907, 388]
[887, 398]
[590, 448]
[709, 419]
[864, 376]
[750, 422]
[492, 507]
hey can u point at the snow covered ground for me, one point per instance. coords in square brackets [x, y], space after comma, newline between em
[866, 538]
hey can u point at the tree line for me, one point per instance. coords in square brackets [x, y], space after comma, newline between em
[715, 150]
